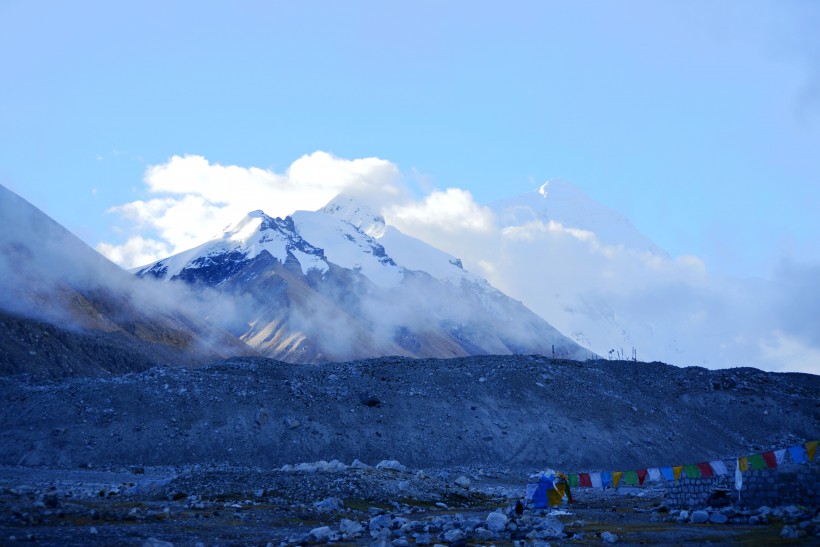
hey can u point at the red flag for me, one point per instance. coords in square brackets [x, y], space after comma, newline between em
[771, 459]
[584, 480]
[706, 470]
[641, 476]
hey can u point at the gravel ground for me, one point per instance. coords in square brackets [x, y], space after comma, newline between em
[212, 455]
[356, 506]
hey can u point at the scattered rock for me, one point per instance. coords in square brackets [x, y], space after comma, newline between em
[789, 532]
[261, 417]
[350, 528]
[380, 521]
[463, 482]
[609, 537]
[718, 518]
[323, 534]
[329, 504]
[391, 465]
[453, 535]
[699, 517]
[496, 521]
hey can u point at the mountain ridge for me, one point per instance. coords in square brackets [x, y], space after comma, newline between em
[346, 280]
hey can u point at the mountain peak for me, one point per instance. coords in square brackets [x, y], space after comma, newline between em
[558, 189]
[564, 203]
[245, 229]
[357, 212]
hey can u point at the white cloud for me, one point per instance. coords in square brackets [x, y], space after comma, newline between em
[137, 250]
[452, 210]
[196, 199]
[788, 353]
[589, 273]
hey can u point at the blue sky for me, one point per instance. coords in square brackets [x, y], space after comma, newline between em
[700, 121]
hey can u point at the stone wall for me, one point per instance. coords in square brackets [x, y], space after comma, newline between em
[788, 484]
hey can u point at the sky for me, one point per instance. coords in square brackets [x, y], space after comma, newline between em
[699, 121]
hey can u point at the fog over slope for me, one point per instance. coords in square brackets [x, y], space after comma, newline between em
[577, 263]
[318, 286]
[66, 309]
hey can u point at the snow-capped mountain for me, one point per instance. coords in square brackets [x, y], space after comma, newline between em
[563, 203]
[81, 312]
[338, 283]
[607, 286]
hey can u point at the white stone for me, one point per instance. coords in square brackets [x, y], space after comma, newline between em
[380, 521]
[359, 465]
[463, 482]
[454, 535]
[609, 537]
[350, 527]
[323, 533]
[391, 465]
[496, 521]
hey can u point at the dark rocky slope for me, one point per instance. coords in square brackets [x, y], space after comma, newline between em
[520, 412]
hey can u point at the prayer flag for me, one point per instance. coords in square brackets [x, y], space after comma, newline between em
[770, 459]
[631, 478]
[606, 478]
[641, 473]
[573, 480]
[692, 471]
[705, 470]
[654, 474]
[739, 476]
[811, 449]
[596, 480]
[719, 467]
[743, 463]
[616, 478]
[584, 480]
[676, 469]
[798, 453]
[757, 462]
[668, 473]
[780, 456]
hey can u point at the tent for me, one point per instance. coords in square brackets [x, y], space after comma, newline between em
[548, 489]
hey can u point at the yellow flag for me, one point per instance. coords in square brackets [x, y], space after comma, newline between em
[811, 449]
[743, 463]
[616, 478]
[677, 471]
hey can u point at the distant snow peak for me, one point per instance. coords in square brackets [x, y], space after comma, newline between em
[246, 228]
[357, 212]
[240, 243]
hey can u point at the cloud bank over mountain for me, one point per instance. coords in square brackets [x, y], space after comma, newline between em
[581, 266]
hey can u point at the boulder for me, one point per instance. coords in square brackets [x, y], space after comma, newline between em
[609, 537]
[329, 504]
[323, 534]
[496, 521]
[391, 465]
[699, 517]
[452, 536]
[380, 521]
[350, 527]
[718, 518]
